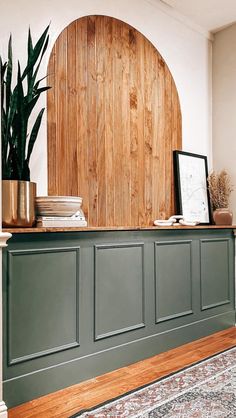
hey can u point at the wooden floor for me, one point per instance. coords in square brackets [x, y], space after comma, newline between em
[65, 403]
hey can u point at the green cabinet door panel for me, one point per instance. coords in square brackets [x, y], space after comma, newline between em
[42, 302]
[119, 289]
[173, 279]
[215, 272]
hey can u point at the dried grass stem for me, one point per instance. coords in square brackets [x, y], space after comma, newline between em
[220, 188]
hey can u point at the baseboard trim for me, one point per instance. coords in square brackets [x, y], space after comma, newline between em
[41, 382]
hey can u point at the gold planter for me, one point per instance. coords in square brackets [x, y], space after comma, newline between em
[18, 203]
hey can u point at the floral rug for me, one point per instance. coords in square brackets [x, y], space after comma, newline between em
[204, 390]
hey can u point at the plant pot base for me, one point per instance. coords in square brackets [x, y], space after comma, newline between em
[18, 203]
[223, 216]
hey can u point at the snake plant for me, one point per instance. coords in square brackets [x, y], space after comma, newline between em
[17, 104]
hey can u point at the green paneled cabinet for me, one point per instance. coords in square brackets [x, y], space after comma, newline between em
[79, 304]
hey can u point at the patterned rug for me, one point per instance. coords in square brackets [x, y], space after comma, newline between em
[204, 390]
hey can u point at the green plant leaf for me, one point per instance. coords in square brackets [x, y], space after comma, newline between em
[29, 106]
[23, 120]
[39, 81]
[13, 169]
[3, 68]
[30, 54]
[17, 104]
[26, 171]
[9, 75]
[30, 45]
[12, 108]
[34, 133]
[42, 89]
[33, 75]
[32, 59]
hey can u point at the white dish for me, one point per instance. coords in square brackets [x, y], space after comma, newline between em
[57, 205]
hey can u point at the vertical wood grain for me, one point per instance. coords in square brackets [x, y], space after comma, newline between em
[140, 129]
[113, 121]
[61, 86]
[92, 131]
[81, 111]
[101, 146]
[109, 124]
[133, 111]
[117, 122]
[71, 150]
[157, 174]
[51, 127]
[161, 151]
[125, 129]
[149, 80]
[168, 139]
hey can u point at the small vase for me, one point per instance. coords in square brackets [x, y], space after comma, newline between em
[223, 216]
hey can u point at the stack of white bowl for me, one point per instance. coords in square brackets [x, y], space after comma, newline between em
[59, 211]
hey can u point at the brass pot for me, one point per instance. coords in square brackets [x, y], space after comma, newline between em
[18, 203]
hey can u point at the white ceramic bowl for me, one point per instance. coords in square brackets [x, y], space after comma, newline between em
[57, 205]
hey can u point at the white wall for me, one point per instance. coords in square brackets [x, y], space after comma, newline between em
[3, 238]
[224, 104]
[186, 51]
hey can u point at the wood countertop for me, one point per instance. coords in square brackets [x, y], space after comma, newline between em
[112, 228]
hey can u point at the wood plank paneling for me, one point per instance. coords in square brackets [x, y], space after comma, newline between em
[92, 118]
[72, 164]
[126, 214]
[81, 114]
[109, 123]
[52, 111]
[113, 121]
[62, 127]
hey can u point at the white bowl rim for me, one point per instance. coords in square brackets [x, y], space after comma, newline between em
[58, 198]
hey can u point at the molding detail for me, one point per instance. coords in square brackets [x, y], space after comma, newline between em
[53, 350]
[225, 301]
[4, 237]
[137, 326]
[178, 315]
[119, 331]
[43, 353]
[102, 361]
[181, 18]
[119, 279]
[159, 318]
[3, 410]
[214, 305]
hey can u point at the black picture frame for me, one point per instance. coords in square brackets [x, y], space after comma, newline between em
[191, 189]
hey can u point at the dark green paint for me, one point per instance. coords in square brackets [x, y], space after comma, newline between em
[77, 305]
[41, 302]
[173, 267]
[119, 289]
[215, 273]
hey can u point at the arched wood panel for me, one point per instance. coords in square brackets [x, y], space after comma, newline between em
[113, 120]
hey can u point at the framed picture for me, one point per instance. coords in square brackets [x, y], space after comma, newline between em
[192, 195]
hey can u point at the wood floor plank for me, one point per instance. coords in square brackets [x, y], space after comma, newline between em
[66, 402]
